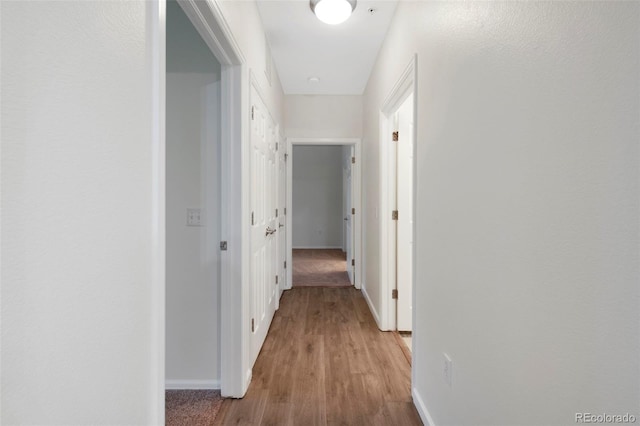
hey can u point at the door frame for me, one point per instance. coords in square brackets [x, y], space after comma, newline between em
[235, 371]
[156, 14]
[283, 147]
[405, 86]
[356, 197]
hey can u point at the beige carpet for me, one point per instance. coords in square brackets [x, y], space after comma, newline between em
[191, 407]
[320, 268]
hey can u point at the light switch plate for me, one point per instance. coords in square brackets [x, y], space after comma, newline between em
[194, 217]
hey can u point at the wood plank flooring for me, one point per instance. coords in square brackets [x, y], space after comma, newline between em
[320, 268]
[324, 362]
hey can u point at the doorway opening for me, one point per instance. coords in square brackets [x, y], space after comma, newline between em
[403, 138]
[398, 147]
[398, 171]
[324, 242]
[199, 168]
[192, 207]
[322, 230]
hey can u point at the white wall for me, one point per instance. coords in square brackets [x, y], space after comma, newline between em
[317, 196]
[77, 224]
[245, 24]
[311, 116]
[527, 206]
[193, 181]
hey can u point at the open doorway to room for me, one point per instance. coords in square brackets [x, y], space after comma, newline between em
[192, 206]
[403, 138]
[397, 170]
[321, 215]
[193, 221]
[324, 201]
[201, 167]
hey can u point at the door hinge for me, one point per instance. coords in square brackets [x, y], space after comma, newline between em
[353, 262]
[253, 325]
[286, 156]
[223, 245]
[394, 294]
[353, 160]
[394, 215]
[353, 210]
[253, 112]
[395, 136]
[252, 218]
[285, 211]
[276, 279]
[285, 264]
[276, 146]
[276, 212]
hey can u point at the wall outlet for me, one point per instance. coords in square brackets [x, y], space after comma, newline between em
[447, 369]
[194, 217]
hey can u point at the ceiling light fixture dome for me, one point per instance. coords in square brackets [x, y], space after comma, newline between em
[333, 12]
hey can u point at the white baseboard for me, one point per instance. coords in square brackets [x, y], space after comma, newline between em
[191, 384]
[247, 381]
[422, 409]
[371, 307]
[318, 248]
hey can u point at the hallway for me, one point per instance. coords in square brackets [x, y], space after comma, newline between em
[325, 362]
[147, 211]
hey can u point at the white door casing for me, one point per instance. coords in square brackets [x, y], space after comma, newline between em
[404, 200]
[263, 187]
[282, 223]
[356, 201]
[344, 207]
[405, 87]
[208, 19]
[349, 219]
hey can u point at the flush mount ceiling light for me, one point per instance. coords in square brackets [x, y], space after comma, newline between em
[333, 12]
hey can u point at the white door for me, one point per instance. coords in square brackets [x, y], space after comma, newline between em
[404, 193]
[349, 219]
[263, 223]
[282, 220]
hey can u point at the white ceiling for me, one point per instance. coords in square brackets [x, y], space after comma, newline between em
[341, 56]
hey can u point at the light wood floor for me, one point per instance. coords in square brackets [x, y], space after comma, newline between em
[325, 362]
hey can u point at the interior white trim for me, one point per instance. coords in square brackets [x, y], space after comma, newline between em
[422, 408]
[372, 308]
[210, 23]
[356, 198]
[192, 384]
[405, 86]
[156, 33]
[208, 19]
